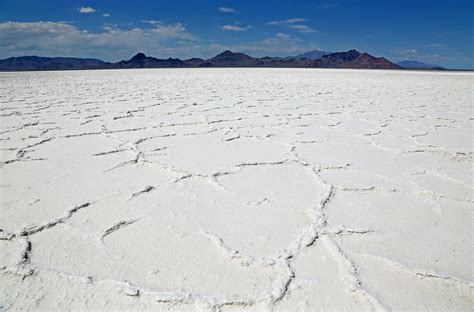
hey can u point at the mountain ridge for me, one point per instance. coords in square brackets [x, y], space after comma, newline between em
[313, 54]
[349, 59]
[33, 62]
[408, 64]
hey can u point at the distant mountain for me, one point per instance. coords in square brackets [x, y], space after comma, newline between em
[291, 62]
[49, 63]
[140, 60]
[224, 59]
[229, 59]
[418, 65]
[348, 59]
[196, 62]
[353, 59]
[313, 54]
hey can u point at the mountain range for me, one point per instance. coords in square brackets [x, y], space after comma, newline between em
[312, 59]
[418, 65]
[313, 54]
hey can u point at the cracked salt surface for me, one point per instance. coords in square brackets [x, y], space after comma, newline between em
[236, 189]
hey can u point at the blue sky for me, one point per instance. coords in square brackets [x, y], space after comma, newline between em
[436, 31]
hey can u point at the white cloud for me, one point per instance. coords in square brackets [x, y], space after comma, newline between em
[283, 44]
[279, 45]
[234, 28]
[86, 10]
[329, 5]
[176, 30]
[172, 31]
[153, 22]
[291, 24]
[450, 60]
[227, 9]
[116, 42]
[302, 28]
[282, 36]
[65, 39]
[435, 46]
[106, 15]
[288, 21]
[275, 46]
[404, 52]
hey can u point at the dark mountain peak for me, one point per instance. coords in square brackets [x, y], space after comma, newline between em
[195, 59]
[366, 56]
[138, 57]
[353, 59]
[368, 61]
[228, 55]
[226, 52]
[344, 56]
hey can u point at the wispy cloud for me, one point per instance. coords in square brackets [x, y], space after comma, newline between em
[225, 9]
[86, 10]
[404, 52]
[283, 44]
[106, 15]
[435, 46]
[234, 28]
[288, 21]
[282, 36]
[152, 22]
[301, 28]
[294, 24]
[329, 6]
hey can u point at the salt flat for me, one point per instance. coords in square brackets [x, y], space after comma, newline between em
[236, 189]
